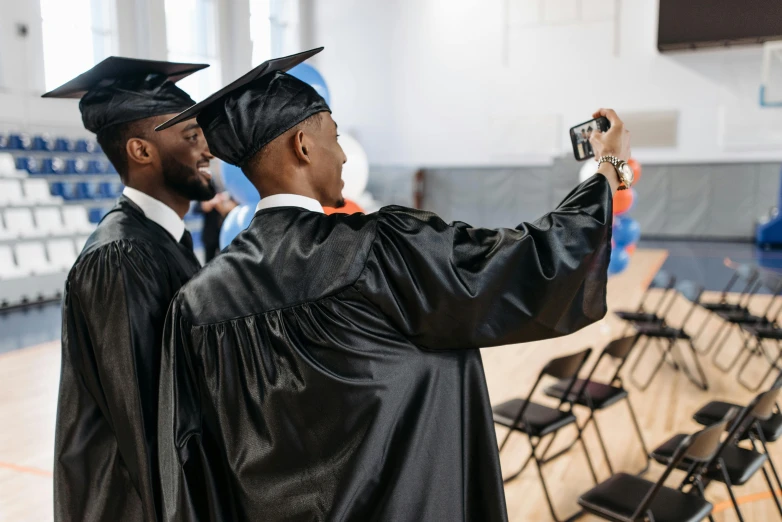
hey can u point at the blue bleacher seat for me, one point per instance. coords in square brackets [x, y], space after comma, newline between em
[47, 166]
[98, 149]
[56, 189]
[58, 166]
[111, 189]
[34, 166]
[81, 145]
[64, 145]
[96, 167]
[21, 162]
[43, 142]
[68, 191]
[20, 141]
[75, 166]
[96, 214]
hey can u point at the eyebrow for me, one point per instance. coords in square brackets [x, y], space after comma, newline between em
[191, 127]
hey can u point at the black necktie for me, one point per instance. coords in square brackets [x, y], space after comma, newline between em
[187, 240]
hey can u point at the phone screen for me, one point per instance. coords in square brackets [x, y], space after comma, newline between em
[579, 136]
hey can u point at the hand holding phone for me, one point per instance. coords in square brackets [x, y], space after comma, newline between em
[580, 134]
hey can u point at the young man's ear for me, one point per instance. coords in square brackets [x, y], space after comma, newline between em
[301, 147]
[140, 151]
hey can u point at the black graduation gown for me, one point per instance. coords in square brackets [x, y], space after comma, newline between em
[326, 367]
[116, 298]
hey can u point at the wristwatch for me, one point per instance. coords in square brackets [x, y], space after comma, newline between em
[625, 171]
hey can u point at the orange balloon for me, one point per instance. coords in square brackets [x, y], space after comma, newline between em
[623, 200]
[630, 249]
[350, 208]
[636, 169]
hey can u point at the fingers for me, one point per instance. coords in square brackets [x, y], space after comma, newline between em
[611, 115]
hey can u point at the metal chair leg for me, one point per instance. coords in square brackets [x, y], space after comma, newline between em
[539, 465]
[700, 332]
[703, 382]
[601, 441]
[715, 337]
[729, 485]
[762, 439]
[640, 436]
[771, 368]
[727, 368]
[644, 386]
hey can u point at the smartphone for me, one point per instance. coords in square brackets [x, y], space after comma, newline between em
[579, 136]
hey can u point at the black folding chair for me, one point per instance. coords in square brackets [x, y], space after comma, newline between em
[646, 312]
[715, 410]
[538, 421]
[745, 272]
[741, 320]
[674, 337]
[761, 333]
[733, 465]
[598, 396]
[629, 498]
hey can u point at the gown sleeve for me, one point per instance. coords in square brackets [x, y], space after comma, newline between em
[454, 286]
[190, 469]
[114, 307]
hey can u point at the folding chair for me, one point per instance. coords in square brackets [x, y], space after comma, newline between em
[538, 421]
[598, 396]
[733, 465]
[742, 319]
[744, 272]
[761, 333]
[673, 336]
[628, 498]
[646, 313]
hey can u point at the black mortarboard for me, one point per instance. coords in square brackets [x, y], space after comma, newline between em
[243, 117]
[121, 90]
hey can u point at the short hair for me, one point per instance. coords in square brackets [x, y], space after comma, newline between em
[113, 141]
[258, 158]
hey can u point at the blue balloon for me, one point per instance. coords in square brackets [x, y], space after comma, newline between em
[308, 74]
[626, 231]
[238, 186]
[237, 220]
[619, 261]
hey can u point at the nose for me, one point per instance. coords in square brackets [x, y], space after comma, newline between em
[208, 154]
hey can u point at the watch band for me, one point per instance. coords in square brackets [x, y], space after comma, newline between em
[617, 163]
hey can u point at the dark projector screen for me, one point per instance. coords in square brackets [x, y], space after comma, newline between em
[689, 24]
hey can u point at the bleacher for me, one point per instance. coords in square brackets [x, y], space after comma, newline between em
[53, 192]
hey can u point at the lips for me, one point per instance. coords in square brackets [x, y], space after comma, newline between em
[205, 172]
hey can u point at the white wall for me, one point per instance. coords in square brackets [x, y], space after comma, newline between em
[481, 82]
[141, 32]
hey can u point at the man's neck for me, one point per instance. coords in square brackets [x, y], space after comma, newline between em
[177, 203]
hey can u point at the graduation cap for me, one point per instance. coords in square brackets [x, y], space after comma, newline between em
[243, 117]
[122, 90]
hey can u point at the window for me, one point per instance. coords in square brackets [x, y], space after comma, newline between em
[260, 30]
[273, 29]
[191, 36]
[77, 34]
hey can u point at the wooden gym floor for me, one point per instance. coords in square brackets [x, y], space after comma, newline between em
[28, 394]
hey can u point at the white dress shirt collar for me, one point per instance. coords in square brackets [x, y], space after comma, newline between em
[157, 211]
[289, 200]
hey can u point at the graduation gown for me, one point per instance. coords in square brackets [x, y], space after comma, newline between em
[327, 367]
[116, 297]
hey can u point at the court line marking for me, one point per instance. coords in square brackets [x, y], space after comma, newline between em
[26, 469]
[746, 499]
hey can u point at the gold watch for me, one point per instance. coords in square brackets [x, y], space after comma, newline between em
[625, 171]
